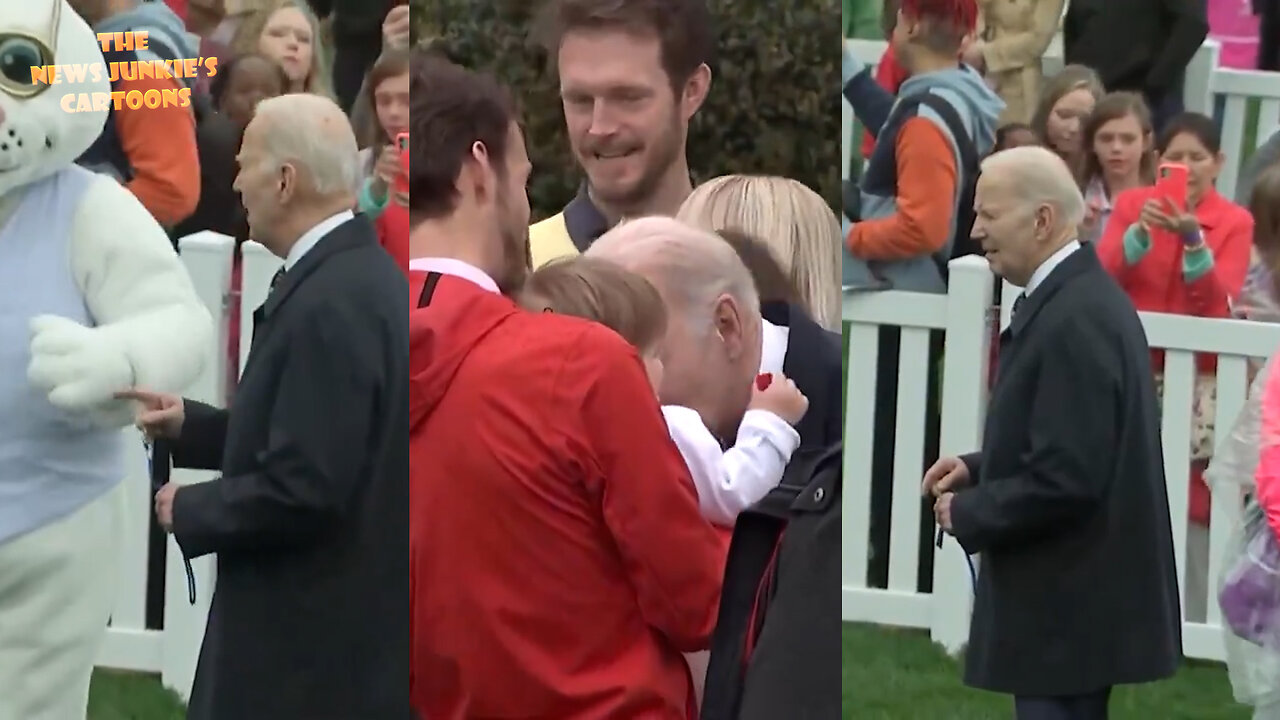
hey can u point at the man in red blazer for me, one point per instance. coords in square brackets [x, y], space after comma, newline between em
[559, 564]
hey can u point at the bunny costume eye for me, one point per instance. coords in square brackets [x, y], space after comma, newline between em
[19, 52]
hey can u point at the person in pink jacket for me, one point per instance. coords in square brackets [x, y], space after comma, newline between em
[1249, 595]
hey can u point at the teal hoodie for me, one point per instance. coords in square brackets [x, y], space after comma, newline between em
[167, 34]
[979, 109]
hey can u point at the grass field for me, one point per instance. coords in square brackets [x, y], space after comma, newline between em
[892, 674]
[130, 696]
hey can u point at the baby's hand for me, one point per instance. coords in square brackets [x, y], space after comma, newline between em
[778, 394]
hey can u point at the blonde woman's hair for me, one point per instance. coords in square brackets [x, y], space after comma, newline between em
[249, 34]
[795, 222]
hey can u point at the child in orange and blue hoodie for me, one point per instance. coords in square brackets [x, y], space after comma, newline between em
[912, 184]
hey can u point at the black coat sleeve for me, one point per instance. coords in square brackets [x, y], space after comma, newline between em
[1188, 29]
[204, 435]
[316, 451]
[1064, 472]
[973, 463]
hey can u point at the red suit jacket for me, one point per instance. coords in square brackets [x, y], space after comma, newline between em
[559, 565]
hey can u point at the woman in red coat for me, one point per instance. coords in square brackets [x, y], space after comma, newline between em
[1184, 261]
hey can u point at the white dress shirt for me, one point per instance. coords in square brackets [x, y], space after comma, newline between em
[773, 346]
[730, 481]
[313, 236]
[1048, 265]
[456, 268]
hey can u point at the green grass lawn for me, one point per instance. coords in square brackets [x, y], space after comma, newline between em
[131, 696]
[893, 674]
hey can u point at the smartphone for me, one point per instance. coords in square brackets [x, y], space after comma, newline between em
[1171, 183]
[402, 142]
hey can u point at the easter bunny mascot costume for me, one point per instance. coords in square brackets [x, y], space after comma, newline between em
[93, 300]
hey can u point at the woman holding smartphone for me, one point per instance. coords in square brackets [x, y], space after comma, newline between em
[1179, 247]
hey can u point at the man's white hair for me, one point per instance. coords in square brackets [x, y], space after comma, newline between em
[1040, 177]
[691, 267]
[304, 130]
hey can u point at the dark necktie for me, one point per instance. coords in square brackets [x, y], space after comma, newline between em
[1017, 304]
[275, 280]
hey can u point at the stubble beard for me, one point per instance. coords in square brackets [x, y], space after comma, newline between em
[665, 150]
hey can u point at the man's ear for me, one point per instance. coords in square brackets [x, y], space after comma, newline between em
[727, 322]
[695, 92]
[482, 170]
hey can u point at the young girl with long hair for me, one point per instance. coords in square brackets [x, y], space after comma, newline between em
[383, 109]
[288, 32]
[1117, 154]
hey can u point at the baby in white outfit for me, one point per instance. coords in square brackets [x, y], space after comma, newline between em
[728, 481]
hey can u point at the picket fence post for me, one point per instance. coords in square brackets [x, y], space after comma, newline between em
[207, 256]
[964, 400]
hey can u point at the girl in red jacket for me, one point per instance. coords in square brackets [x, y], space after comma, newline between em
[1186, 261]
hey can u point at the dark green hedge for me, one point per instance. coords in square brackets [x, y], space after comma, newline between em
[773, 108]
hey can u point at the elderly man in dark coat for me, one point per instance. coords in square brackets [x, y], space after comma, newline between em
[1066, 502]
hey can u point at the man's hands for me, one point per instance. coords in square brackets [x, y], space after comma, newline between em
[948, 474]
[159, 415]
[942, 510]
[164, 505]
[941, 481]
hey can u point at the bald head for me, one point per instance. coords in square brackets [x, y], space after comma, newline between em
[712, 348]
[690, 267]
[1037, 176]
[311, 133]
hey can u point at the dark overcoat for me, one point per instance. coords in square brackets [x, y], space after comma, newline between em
[794, 670]
[309, 521]
[1077, 588]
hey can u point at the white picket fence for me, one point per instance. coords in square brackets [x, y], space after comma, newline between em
[1205, 80]
[171, 653]
[963, 314]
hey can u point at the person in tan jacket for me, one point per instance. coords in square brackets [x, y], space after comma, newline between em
[1012, 38]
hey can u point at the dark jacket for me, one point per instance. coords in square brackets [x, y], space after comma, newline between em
[794, 671]
[1268, 12]
[310, 613]
[1077, 589]
[1140, 46]
[218, 143]
[355, 19]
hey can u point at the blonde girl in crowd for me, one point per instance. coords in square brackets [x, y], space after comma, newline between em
[289, 33]
[1066, 102]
